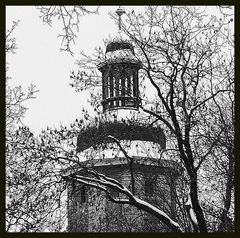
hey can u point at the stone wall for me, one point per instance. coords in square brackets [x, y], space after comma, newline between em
[97, 214]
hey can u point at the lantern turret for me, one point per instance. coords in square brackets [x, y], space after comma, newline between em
[120, 87]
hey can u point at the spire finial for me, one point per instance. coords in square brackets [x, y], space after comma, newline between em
[119, 12]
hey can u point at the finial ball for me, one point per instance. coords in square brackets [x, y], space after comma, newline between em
[120, 11]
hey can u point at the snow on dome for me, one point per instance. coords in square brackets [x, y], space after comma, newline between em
[120, 51]
[120, 54]
[119, 45]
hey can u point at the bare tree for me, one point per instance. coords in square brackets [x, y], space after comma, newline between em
[69, 16]
[26, 193]
[10, 40]
[15, 96]
[33, 193]
[20, 207]
[187, 57]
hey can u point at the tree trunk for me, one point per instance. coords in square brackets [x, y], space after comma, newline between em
[196, 206]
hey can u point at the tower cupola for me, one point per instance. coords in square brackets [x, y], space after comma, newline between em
[120, 76]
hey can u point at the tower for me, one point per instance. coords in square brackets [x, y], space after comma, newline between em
[151, 179]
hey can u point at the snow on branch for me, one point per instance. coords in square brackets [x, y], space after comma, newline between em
[103, 182]
[191, 213]
[101, 187]
[158, 213]
[99, 175]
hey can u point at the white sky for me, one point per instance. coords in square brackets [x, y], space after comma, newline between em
[38, 60]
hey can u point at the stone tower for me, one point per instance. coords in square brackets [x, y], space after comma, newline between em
[89, 210]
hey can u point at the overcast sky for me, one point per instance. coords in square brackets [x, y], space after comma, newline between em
[38, 60]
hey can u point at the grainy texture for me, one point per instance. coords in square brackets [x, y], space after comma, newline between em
[97, 214]
[99, 135]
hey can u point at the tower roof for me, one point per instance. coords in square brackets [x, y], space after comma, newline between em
[120, 51]
[119, 45]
